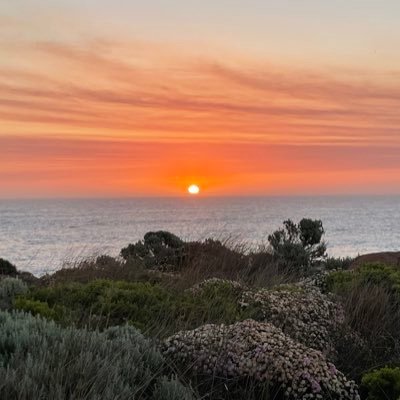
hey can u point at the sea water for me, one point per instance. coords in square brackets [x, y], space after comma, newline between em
[41, 235]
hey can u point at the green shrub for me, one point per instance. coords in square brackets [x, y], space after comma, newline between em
[9, 289]
[40, 360]
[369, 274]
[159, 249]
[382, 384]
[37, 307]
[297, 247]
[6, 268]
[102, 267]
[370, 297]
[332, 263]
[149, 307]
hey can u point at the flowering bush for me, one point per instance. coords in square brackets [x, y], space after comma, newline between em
[262, 353]
[216, 283]
[301, 311]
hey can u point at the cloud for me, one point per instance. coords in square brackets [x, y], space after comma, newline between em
[91, 87]
[134, 115]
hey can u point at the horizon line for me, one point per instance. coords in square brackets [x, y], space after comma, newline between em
[200, 196]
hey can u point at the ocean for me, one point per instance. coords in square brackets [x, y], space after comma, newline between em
[41, 236]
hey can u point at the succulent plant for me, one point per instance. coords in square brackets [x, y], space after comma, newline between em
[301, 311]
[261, 352]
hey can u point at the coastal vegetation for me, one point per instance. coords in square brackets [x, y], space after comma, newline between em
[171, 319]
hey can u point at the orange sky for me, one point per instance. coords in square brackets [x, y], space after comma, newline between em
[105, 114]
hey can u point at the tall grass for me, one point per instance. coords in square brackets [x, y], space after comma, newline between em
[370, 296]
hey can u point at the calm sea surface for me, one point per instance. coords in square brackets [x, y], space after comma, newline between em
[40, 235]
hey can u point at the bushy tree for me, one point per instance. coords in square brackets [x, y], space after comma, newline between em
[160, 249]
[6, 268]
[297, 247]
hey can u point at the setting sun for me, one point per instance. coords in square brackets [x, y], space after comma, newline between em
[193, 189]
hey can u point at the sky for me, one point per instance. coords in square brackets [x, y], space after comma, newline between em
[257, 97]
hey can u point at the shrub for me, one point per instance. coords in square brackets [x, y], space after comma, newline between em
[332, 263]
[382, 384]
[40, 360]
[99, 303]
[9, 289]
[200, 260]
[297, 247]
[370, 297]
[262, 354]
[149, 307]
[301, 311]
[218, 284]
[102, 267]
[369, 274]
[6, 268]
[232, 260]
[159, 249]
[214, 258]
[36, 307]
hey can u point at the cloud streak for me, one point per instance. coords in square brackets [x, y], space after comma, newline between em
[115, 110]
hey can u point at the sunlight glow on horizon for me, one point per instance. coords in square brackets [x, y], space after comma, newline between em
[241, 100]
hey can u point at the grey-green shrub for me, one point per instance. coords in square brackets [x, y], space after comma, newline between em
[9, 289]
[40, 360]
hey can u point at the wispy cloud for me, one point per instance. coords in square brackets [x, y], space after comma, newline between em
[88, 86]
[113, 110]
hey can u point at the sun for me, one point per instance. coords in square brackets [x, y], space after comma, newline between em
[193, 189]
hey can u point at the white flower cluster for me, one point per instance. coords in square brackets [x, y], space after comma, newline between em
[318, 280]
[215, 282]
[301, 311]
[262, 352]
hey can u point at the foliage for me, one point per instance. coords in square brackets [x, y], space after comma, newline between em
[9, 289]
[214, 258]
[6, 268]
[382, 384]
[36, 307]
[160, 249]
[297, 247]
[196, 261]
[149, 307]
[259, 352]
[366, 275]
[171, 389]
[370, 297]
[332, 263]
[301, 311]
[102, 267]
[40, 360]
